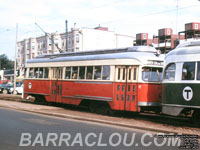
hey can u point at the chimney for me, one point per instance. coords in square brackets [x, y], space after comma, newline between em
[66, 26]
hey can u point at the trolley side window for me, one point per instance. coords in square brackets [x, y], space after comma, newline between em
[134, 73]
[31, 72]
[89, 72]
[97, 72]
[46, 72]
[68, 73]
[188, 71]
[151, 74]
[36, 73]
[25, 72]
[74, 72]
[57, 73]
[40, 72]
[81, 72]
[106, 73]
[170, 72]
[198, 71]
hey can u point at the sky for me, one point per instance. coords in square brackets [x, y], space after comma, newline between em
[127, 17]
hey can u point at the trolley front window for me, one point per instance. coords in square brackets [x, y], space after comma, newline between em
[151, 74]
[170, 72]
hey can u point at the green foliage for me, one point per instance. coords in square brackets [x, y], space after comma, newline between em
[5, 63]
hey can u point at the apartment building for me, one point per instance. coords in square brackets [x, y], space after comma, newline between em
[191, 32]
[84, 39]
[165, 41]
[143, 39]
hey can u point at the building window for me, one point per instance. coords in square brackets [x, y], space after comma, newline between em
[168, 32]
[63, 43]
[145, 36]
[77, 49]
[196, 26]
[50, 42]
[77, 38]
[43, 45]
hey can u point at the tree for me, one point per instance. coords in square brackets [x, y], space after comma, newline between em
[5, 63]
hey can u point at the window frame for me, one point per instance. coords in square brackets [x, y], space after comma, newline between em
[174, 70]
[186, 76]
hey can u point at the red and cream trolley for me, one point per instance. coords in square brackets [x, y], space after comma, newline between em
[126, 79]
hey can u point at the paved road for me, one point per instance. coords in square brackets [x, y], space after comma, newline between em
[34, 131]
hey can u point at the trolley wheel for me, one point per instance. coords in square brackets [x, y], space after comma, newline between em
[5, 91]
[92, 107]
[196, 117]
[111, 112]
[100, 108]
[40, 100]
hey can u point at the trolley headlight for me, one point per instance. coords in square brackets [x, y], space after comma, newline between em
[155, 63]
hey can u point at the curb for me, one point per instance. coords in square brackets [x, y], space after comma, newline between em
[98, 121]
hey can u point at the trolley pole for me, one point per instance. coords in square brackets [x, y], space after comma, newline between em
[15, 60]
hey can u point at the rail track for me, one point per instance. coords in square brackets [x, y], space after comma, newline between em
[183, 122]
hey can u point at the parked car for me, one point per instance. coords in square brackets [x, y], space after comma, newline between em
[5, 88]
[19, 88]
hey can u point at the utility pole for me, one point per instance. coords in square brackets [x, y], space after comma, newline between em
[177, 7]
[15, 59]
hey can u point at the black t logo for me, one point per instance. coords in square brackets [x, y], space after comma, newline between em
[188, 91]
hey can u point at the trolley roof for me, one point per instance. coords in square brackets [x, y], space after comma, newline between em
[186, 51]
[140, 53]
